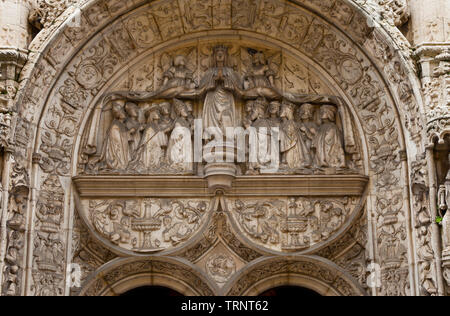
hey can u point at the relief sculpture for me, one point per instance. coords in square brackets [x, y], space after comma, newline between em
[291, 224]
[142, 132]
[146, 225]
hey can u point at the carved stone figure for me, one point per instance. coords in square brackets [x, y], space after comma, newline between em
[152, 148]
[116, 149]
[259, 74]
[177, 76]
[133, 126]
[20, 196]
[220, 82]
[328, 143]
[308, 131]
[180, 149]
[294, 151]
[248, 114]
[260, 155]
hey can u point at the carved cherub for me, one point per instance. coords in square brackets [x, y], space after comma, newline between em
[260, 72]
[178, 75]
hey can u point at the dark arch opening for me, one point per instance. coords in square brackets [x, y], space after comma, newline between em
[158, 291]
[290, 291]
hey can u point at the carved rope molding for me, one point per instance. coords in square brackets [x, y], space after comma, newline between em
[52, 59]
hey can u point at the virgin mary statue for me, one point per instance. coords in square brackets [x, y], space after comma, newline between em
[220, 83]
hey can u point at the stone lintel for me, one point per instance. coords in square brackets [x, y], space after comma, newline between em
[270, 185]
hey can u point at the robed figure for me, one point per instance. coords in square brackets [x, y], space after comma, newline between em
[220, 83]
[116, 151]
[329, 143]
[151, 151]
[180, 153]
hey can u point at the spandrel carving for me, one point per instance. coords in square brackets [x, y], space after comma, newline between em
[145, 225]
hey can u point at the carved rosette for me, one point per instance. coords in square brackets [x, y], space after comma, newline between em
[220, 267]
[144, 226]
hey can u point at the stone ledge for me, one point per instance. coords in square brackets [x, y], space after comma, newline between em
[188, 186]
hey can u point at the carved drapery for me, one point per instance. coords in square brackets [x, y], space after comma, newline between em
[95, 68]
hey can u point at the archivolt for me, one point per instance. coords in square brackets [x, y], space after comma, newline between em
[311, 272]
[122, 275]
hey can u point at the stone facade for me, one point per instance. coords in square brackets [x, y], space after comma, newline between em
[225, 144]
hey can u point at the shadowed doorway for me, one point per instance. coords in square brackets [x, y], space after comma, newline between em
[152, 291]
[285, 291]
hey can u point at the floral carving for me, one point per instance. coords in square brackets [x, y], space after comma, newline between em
[148, 225]
[290, 225]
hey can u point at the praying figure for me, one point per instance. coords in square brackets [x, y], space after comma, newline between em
[307, 129]
[116, 151]
[220, 83]
[133, 125]
[329, 144]
[294, 153]
[180, 150]
[151, 151]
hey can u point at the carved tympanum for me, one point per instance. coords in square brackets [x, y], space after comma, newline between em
[145, 225]
[152, 132]
[291, 224]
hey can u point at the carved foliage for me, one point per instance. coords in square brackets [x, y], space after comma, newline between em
[148, 225]
[293, 224]
[49, 245]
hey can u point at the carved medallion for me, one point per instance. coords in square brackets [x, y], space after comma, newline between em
[220, 267]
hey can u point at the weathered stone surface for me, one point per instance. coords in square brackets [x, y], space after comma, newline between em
[323, 179]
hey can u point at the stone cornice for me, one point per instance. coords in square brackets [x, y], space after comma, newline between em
[163, 186]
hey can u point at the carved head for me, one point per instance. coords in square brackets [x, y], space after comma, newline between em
[179, 60]
[132, 109]
[274, 108]
[328, 112]
[152, 115]
[306, 112]
[259, 59]
[189, 107]
[118, 111]
[165, 108]
[248, 108]
[220, 55]
[20, 195]
[259, 108]
[180, 108]
[287, 110]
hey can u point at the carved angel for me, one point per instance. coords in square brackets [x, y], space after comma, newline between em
[177, 76]
[260, 73]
